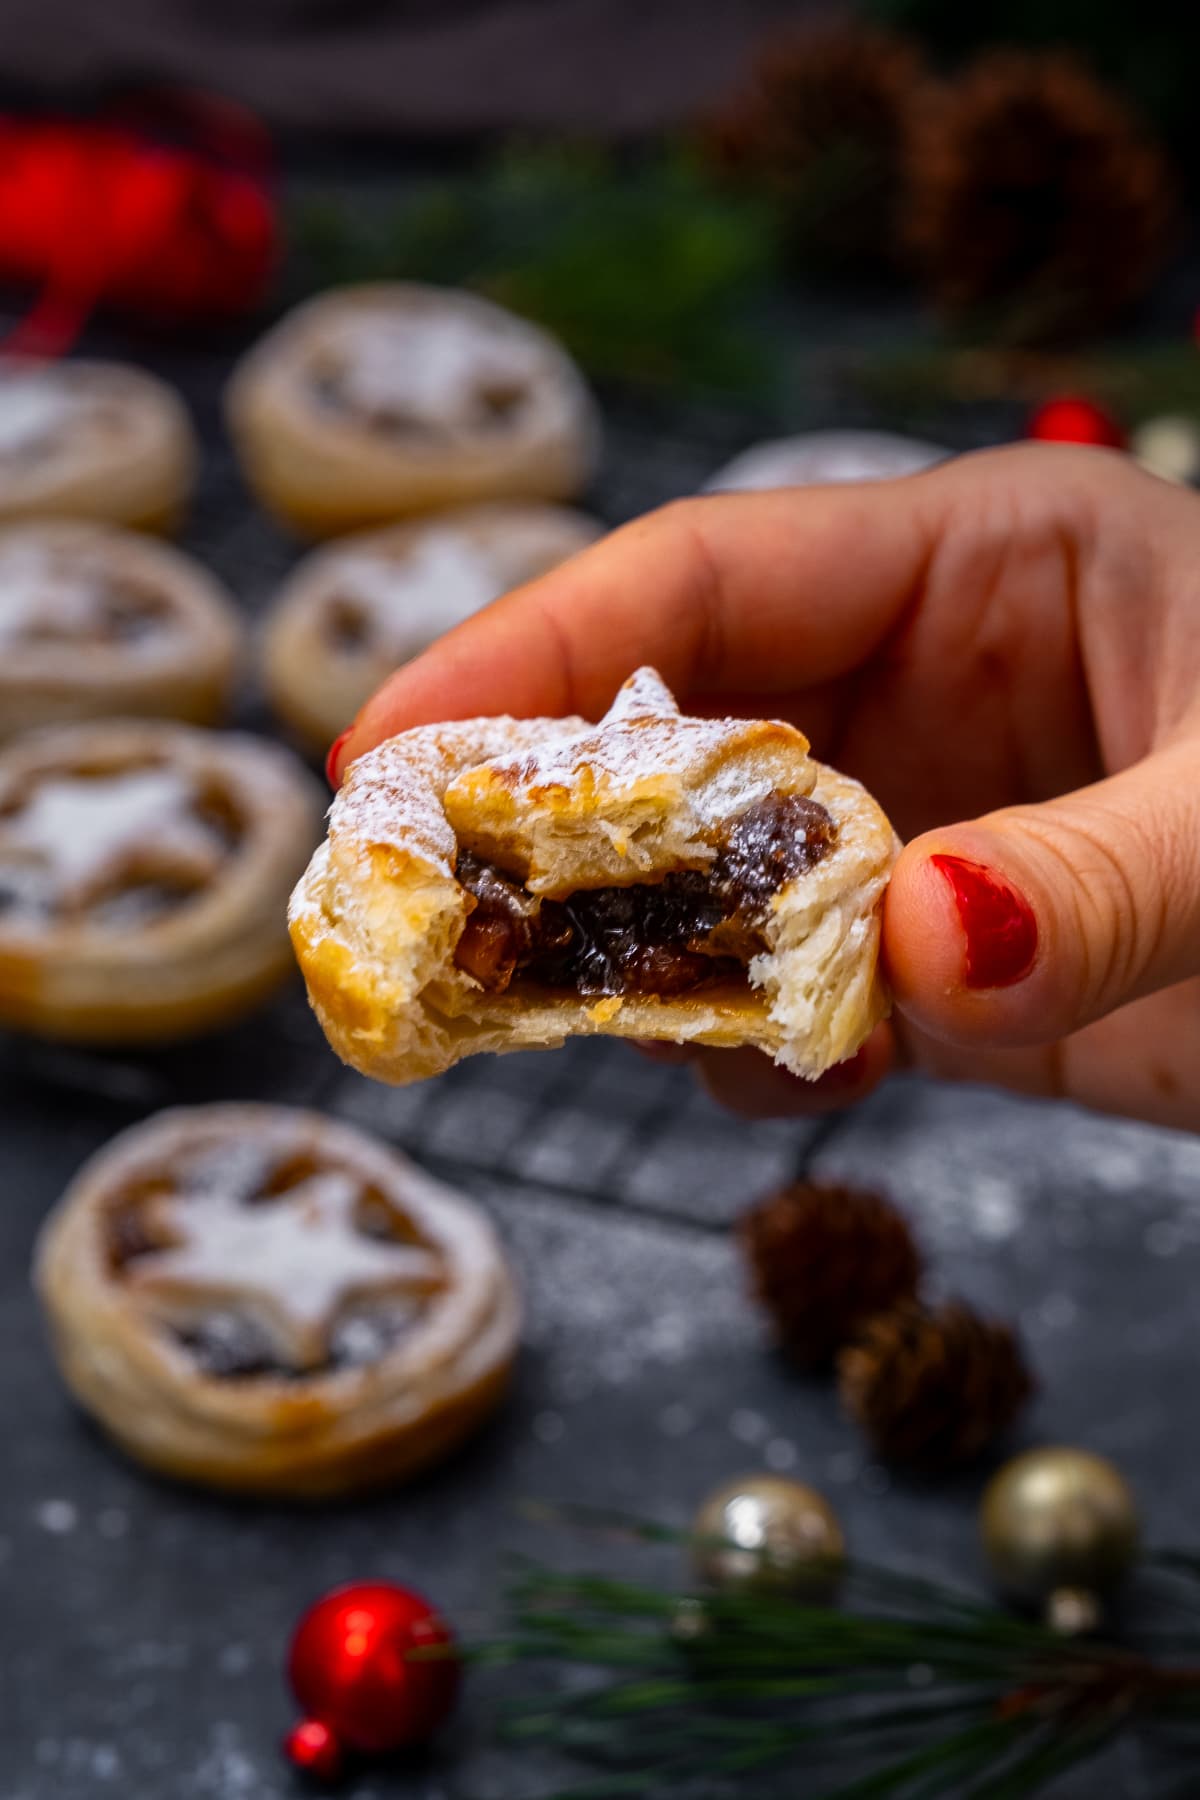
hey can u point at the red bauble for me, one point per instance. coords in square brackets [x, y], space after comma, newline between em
[313, 1748]
[171, 219]
[351, 1670]
[1072, 419]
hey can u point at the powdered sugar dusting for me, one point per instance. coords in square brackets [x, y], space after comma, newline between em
[76, 834]
[392, 798]
[644, 696]
[297, 1258]
[49, 591]
[642, 738]
[433, 368]
[439, 580]
[33, 407]
[37, 590]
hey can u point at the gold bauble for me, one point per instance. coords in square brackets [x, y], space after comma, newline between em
[763, 1531]
[1169, 446]
[1058, 1519]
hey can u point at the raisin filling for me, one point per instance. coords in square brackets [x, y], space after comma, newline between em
[690, 930]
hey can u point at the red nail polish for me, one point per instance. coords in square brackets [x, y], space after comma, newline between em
[331, 770]
[999, 926]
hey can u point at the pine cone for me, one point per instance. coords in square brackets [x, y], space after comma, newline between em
[1034, 190]
[933, 1387]
[824, 123]
[824, 1260]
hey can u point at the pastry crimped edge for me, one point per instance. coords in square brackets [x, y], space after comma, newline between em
[312, 1437]
[303, 681]
[188, 679]
[323, 474]
[143, 482]
[199, 966]
[376, 918]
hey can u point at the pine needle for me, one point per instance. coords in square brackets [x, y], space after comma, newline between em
[762, 1682]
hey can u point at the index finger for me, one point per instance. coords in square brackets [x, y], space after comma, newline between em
[753, 592]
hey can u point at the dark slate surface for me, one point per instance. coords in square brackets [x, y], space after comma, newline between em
[142, 1627]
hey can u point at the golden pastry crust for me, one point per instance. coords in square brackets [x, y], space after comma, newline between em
[374, 1330]
[356, 609]
[93, 440]
[100, 622]
[144, 868]
[564, 807]
[373, 402]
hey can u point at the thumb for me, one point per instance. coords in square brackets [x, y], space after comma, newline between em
[1020, 927]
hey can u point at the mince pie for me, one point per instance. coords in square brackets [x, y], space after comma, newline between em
[503, 883]
[92, 440]
[818, 457]
[262, 1299]
[357, 609]
[144, 870]
[373, 402]
[99, 622]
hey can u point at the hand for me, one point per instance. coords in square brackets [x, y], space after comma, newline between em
[1006, 650]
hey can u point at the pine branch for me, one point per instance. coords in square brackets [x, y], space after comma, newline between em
[766, 1683]
[645, 268]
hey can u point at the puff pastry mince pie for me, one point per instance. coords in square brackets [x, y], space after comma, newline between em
[92, 440]
[503, 883]
[357, 609]
[100, 622]
[372, 402]
[144, 870]
[263, 1299]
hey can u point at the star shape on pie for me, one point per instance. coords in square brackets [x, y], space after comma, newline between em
[292, 1263]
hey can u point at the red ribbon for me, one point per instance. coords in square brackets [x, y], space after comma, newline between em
[175, 228]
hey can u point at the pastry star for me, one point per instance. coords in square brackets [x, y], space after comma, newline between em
[45, 595]
[645, 768]
[78, 833]
[290, 1263]
[442, 580]
[428, 367]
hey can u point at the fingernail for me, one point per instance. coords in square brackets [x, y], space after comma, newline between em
[331, 760]
[999, 926]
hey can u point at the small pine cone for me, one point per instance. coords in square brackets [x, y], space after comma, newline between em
[1035, 196]
[824, 1260]
[932, 1387]
[823, 121]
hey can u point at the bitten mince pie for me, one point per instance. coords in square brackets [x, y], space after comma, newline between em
[355, 610]
[144, 871]
[262, 1299]
[92, 440]
[98, 622]
[505, 883]
[373, 402]
[819, 457]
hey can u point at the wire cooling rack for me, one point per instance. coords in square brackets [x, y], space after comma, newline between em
[594, 1120]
